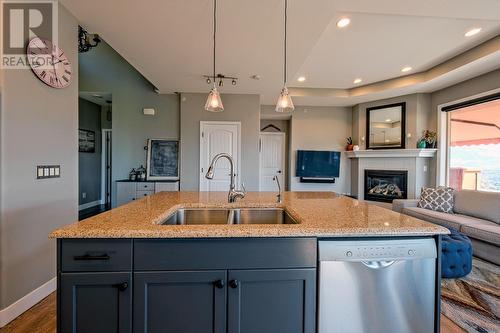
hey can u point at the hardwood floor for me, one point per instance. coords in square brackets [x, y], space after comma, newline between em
[41, 318]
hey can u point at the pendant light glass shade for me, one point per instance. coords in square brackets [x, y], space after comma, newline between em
[284, 103]
[214, 103]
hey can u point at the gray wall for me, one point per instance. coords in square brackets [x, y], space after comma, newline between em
[477, 85]
[39, 126]
[243, 108]
[321, 128]
[104, 70]
[89, 164]
[419, 117]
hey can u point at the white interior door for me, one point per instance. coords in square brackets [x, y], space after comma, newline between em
[219, 137]
[272, 160]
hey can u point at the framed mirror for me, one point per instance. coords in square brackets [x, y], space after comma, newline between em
[385, 126]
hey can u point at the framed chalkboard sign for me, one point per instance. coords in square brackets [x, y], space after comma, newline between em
[86, 141]
[163, 159]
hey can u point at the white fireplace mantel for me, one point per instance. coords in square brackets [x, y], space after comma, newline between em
[398, 153]
[419, 163]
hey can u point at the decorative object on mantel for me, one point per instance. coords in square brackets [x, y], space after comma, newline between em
[355, 148]
[385, 126]
[350, 146]
[428, 140]
[214, 102]
[163, 159]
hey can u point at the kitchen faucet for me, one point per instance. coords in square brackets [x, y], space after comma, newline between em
[233, 193]
[278, 196]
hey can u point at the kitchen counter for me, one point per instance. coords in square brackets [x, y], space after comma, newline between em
[319, 214]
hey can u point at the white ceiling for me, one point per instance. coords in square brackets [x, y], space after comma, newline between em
[170, 43]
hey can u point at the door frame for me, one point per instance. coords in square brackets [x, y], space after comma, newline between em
[238, 164]
[103, 166]
[443, 133]
[283, 161]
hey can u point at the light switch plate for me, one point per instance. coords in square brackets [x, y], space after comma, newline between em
[48, 171]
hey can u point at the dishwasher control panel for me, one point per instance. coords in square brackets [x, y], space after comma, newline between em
[377, 249]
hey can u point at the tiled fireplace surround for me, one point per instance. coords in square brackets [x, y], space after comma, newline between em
[420, 164]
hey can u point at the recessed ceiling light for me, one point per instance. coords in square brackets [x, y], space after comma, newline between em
[406, 69]
[343, 22]
[255, 77]
[301, 79]
[472, 32]
[388, 120]
[356, 81]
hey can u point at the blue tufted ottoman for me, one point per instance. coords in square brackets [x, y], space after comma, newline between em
[456, 255]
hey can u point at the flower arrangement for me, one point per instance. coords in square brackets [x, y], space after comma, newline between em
[428, 140]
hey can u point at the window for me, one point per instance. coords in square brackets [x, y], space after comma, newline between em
[474, 147]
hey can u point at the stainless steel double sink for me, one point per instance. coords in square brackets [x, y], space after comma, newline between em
[197, 216]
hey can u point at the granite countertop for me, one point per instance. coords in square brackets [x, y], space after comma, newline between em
[320, 214]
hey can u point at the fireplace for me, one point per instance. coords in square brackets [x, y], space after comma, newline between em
[386, 185]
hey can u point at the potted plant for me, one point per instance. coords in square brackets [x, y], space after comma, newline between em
[428, 140]
[349, 144]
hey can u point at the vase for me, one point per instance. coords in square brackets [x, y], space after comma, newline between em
[422, 144]
[349, 147]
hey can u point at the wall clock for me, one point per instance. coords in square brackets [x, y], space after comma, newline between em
[49, 63]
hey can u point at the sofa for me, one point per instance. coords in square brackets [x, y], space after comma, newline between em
[475, 214]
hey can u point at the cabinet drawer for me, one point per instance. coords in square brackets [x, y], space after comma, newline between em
[235, 253]
[86, 255]
[145, 186]
[142, 194]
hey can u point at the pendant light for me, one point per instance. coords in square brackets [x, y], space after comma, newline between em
[284, 103]
[214, 103]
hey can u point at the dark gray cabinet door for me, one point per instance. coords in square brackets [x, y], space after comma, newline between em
[271, 301]
[180, 302]
[95, 303]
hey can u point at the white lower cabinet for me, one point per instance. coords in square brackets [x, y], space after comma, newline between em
[127, 191]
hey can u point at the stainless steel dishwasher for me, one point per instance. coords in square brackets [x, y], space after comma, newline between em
[379, 286]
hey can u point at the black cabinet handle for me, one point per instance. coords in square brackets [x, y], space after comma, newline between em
[91, 257]
[121, 286]
[233, 284]
[219, 284]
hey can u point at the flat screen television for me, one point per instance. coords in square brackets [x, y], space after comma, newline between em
[318, 164]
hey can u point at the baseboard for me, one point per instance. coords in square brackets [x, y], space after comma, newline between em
[20, 306]
[90, 204]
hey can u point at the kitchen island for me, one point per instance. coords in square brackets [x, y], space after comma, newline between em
[126, 271]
